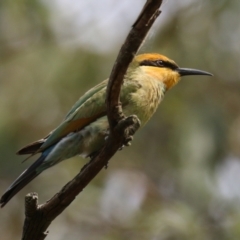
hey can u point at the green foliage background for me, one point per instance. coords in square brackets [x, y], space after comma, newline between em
[180, 178]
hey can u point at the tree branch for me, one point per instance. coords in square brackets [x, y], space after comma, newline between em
[39, 217]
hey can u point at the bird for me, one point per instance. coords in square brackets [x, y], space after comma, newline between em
[85, 127]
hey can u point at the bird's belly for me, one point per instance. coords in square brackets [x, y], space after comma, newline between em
[84, 143]
[93, 136]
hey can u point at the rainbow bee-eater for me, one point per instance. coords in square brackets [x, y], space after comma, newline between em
[85, 127]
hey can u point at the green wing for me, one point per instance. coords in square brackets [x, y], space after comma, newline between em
[86, 110]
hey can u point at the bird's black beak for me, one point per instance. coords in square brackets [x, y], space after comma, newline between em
[190, 71]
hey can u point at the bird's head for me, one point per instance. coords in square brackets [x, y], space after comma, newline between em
[163, 68]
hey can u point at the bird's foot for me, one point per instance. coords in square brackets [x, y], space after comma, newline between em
[106, 135]
[127, 143]
[106, 165]
[127, 127]
[132, 123]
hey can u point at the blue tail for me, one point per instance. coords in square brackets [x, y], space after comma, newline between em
[27, 176]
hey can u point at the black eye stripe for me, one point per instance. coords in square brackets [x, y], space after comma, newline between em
[170, 65]
[159, 63]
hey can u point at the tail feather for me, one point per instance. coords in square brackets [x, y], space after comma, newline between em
[22, 180]
[31, 148]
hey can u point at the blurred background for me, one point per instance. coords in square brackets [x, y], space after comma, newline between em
[180, 179]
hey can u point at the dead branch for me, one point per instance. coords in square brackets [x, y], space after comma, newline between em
[39, 217]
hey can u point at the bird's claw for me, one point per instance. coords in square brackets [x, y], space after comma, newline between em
[127, 143]
[106, 135]
[106, 165]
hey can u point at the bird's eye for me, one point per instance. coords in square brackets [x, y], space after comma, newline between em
[160, 63]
